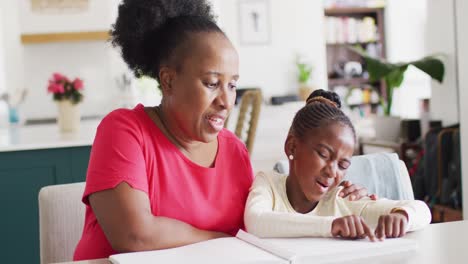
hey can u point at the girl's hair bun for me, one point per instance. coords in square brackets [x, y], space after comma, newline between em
[326, 97]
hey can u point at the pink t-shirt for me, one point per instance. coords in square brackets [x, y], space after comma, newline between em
[130, 147]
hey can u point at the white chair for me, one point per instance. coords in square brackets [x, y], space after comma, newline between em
[61, 220]
[381, 173]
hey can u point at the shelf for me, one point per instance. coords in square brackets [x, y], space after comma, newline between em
[353, 81]
[352, 44]
[64, 37]
[338, 52]
[346, 11]
[363, 104]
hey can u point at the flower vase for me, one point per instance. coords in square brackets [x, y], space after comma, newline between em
[68, 116]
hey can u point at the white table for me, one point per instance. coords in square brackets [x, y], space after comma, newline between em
[438, 243]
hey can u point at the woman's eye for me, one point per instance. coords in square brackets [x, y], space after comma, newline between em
[233, 86]
[211, 85]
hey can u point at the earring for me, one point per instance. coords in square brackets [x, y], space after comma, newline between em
[291, 157]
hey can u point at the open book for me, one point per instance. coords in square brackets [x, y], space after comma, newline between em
[246, 248]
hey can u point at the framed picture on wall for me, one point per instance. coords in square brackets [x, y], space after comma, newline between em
[63, 16]
[254, 21]
[59, 6]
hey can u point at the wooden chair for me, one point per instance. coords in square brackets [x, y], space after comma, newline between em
[444, 212]
[247, 121]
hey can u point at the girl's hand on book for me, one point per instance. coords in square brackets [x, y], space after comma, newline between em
[354, 192]
[392, 225]
[351, 227]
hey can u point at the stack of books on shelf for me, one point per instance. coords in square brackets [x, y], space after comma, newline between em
[340, 30]
[354, 3]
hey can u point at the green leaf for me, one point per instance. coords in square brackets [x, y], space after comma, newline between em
[395, 78]
[432, 66]
[393, 73]
[377, 68]
[304, 72]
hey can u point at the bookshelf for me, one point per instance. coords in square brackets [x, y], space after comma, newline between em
[353, 26]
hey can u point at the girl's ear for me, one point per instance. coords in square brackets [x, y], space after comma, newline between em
[290, 145]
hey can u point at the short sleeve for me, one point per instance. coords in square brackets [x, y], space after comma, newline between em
[116, 155]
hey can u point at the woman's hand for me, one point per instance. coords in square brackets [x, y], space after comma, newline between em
[351, 227]
[392, 225]
[354, 192]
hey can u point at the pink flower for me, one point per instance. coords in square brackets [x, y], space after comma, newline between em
[78, 84]
[64, 89]
[59, 77]
[55, 88]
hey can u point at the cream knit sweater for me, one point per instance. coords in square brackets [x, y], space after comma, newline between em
[268, 212]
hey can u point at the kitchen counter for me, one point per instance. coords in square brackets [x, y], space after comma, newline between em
[31, 157]
[34, 137]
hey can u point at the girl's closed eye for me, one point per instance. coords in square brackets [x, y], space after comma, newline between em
[322, 153]
[344, 165]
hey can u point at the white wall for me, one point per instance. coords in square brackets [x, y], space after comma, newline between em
[2, 53]
[462, 47]
[94, 19]
[87, 60]
[96, 62]
[441, 38]
[296, 27]
[13, 77]
[405, 29]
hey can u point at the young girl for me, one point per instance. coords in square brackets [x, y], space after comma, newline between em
[307, 203]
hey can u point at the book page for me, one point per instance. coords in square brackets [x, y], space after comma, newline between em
[215, 251]
[335, 250]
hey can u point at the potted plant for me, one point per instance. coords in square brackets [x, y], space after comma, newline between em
[68, 95]
[304, 71]
[393, 75]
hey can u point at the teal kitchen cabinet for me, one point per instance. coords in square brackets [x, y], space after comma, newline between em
[23, 174]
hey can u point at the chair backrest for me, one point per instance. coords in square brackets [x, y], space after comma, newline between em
[249, 113]
[61, 220]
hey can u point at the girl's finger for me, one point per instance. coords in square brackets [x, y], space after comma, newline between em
[345, 228]
[388, 226]
[396, 229]
[352, 227]
[360, 233]
[346, 183]
[380, 230]
[402, 228]
[368, 232]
